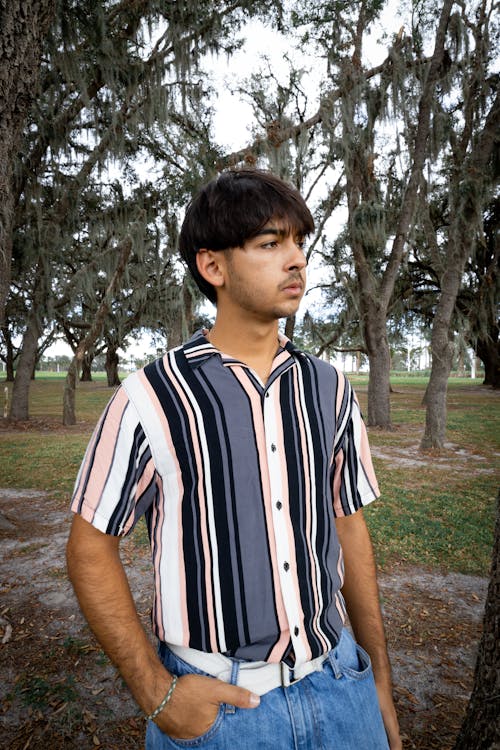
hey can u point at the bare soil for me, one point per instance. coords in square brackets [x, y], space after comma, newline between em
[58, 690]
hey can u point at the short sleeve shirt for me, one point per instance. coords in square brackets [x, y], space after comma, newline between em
[240, 484]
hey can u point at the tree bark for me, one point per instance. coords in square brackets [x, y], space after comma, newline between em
[86, 376]
[23, 26]
[481, 726]
[112, 360]
[379, 357]
[488, 350]
[290, 327]
[19, 408]
[9, 354]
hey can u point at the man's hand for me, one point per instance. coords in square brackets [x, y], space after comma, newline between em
[195, 704]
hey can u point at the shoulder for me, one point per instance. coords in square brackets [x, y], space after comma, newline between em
[322, 368]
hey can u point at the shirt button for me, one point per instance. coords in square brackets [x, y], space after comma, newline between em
[273, 447]
[279, 505]
[267, 394]
[295, 630]
[286, 566]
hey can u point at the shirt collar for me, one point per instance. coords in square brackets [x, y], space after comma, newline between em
[198, 349]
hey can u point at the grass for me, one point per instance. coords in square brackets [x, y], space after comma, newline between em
[437, 512]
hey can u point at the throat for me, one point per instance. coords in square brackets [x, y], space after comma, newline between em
[256, 352]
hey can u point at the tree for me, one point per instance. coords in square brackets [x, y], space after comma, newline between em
[69, 416]
[354, 107]
[478, 299]
[23, 24]
[115, 79]
[481, 726]
[473, 172]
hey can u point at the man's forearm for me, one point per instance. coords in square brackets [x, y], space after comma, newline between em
[102, 589]
[361, 593]
[361, 596]
[101, 586]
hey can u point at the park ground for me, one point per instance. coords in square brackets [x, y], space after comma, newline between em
[432, 531]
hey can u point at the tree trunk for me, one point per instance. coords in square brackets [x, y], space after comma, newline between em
[481, 727]
[379, 403]
[19, 408]
[86, 376]
[23, 26]
[112, 360]
[9, 354]
[290, 327]
[69, 393]
[488, 350]
[442, 352]
[69, 415]
[180, 327]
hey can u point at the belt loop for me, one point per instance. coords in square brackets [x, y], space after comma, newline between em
[334, 663]
[286, 675]
[233, 680]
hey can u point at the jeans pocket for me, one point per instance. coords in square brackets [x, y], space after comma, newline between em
[158, 740]
[203, 738]
[351, 659]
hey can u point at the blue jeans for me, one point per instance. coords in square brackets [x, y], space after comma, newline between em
[335, 708]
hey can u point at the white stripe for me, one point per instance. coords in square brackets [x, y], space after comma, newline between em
[364, 488]
[166, 465]
[281, 522]
[210, 505]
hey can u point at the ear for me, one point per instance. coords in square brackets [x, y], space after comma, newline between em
[210, 265]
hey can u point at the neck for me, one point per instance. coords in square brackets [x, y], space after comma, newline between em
[252, 343]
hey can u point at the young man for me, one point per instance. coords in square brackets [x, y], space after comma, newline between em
[251, 463]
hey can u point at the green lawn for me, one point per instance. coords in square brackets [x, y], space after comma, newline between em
[434, 511]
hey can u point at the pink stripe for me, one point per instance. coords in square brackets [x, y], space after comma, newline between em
[103, 457]
[157, 522]
[337, 479]
[141, 487]
[366, 458]
[160, 516]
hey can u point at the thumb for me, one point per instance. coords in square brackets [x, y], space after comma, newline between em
[235, 696]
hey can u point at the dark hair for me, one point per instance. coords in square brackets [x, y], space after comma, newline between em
[232, 209]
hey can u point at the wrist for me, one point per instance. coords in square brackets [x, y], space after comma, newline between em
[164, 702]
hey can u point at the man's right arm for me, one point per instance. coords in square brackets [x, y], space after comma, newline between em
[102, 589]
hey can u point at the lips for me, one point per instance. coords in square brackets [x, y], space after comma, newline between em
[294, 286]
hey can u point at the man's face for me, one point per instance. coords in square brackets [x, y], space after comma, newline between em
[265, 278]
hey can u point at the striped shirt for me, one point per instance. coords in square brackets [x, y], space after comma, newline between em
[240, 483]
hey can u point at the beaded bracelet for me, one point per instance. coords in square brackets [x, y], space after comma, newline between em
[164, 701]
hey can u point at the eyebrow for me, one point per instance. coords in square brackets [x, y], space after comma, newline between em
[269, 230]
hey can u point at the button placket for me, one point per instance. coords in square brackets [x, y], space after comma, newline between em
[281, 522]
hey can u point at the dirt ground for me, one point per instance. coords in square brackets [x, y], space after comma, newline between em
[58, 690]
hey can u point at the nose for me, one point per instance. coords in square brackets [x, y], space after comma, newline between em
[296, 260]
